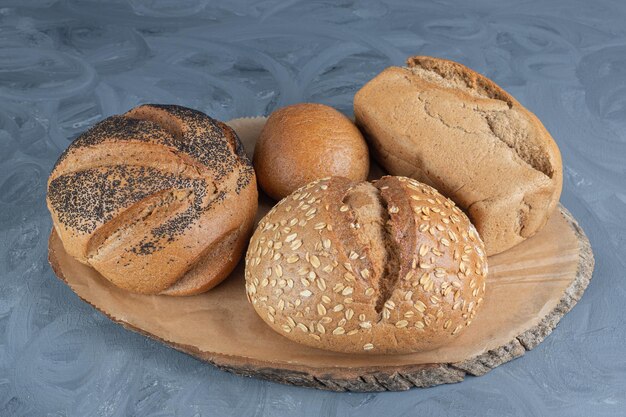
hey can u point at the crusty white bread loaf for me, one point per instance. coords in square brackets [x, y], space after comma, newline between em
[388, 267]
[160, 200]
[445, 125]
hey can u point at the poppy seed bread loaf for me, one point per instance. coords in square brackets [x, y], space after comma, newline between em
[388, 267]
[445, 125]
[160, 200]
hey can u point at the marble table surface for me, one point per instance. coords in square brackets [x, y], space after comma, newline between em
[66, 64]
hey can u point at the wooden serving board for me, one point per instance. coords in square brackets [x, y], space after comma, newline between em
[529, 288]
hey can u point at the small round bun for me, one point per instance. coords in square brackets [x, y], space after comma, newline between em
[160, 200]
[384, 267]
[304, 142]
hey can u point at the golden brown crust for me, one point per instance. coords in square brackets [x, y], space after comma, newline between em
[145, 197]
[392, 267]
[304, 142]
[448, 126]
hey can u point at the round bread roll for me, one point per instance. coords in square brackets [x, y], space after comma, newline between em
[443, 124]
[388, 267]
[160, 200]
[304, 142]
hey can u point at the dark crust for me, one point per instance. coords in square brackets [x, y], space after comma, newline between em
[85, 199]
[206, 140]
[397, 378]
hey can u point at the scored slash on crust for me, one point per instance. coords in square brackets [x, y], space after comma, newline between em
[439, 290]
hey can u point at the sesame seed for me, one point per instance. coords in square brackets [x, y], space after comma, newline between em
[402, 323]
[419, 325]
[338, 308]
[321, 284]
[393, 209]
[447, 324]
[315, 261]
[326, 243]
[423, 249]
[365, 273]
[293, 259]
[286, 328]
[302, 327]
[320, 328]
[319, 226]
[306, 293]
[325, 320]
[349, 314]
[344, 208]
[369, 292]
[368, 346]
[326, 299]
[347, 291]
[291, 237]
[420, 306]
[296, 244]
[366, 324]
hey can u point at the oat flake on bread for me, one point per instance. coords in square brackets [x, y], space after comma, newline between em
[384, 267]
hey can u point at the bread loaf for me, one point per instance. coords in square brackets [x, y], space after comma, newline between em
[160, 200]
[445, 125]
[388, 267]
[304, 142]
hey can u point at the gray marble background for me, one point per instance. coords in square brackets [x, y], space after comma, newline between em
[66, 64]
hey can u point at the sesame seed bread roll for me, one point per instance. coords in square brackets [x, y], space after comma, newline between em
[160, 200]
[384, 267]
[445, 125]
